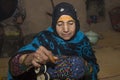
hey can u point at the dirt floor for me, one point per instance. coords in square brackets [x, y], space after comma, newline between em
[108, 55]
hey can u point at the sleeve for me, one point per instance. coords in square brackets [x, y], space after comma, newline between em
[15, 68]
[89, 56]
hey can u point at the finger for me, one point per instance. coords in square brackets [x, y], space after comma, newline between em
[41, 58]
[38, 51]
[36, 60]
[48, 54]
[51, 58]
[55, 58]
[35, 64]
[36, 56]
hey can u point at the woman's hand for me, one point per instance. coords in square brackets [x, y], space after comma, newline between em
[41, 56]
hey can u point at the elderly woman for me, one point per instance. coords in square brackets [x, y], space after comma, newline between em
[62, 52]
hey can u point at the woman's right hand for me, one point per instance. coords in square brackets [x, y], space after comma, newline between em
[41, 56]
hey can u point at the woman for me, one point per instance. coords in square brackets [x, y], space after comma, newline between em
[60, 52]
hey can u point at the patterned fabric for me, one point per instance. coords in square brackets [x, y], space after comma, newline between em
[72, 67]
[78, 46]
[17, 68]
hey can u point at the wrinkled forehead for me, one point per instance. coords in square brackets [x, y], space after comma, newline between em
[65, 18]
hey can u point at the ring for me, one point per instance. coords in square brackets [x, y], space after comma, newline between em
[38, 58]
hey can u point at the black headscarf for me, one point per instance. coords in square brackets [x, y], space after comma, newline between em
[64, 9]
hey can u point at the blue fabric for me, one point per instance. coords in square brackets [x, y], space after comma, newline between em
[9, 76]
[79, 46]
[71, 67]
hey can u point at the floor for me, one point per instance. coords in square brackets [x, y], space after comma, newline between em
[107, 51]
[108, 55]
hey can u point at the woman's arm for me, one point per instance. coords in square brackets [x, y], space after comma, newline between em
[18, 64]
[23, 62]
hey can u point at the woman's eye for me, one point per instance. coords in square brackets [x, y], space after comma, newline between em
[59, 23]
[71, 23]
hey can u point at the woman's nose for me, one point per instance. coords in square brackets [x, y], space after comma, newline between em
[65, 28]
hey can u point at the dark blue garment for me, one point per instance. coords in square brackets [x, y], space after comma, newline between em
[79, 45]
[71, 67]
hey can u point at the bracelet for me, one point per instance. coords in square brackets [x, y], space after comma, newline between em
[23, 61]
[23, 66]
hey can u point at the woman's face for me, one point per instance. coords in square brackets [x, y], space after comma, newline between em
[65, 27]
